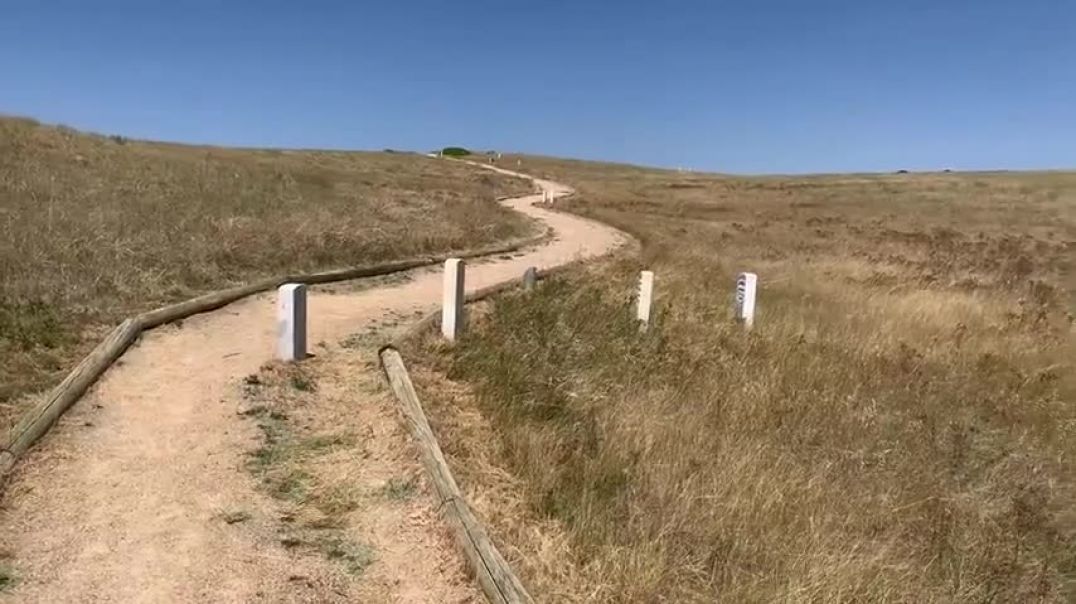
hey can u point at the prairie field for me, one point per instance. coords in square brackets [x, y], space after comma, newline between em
[96, 228]
[900, 424]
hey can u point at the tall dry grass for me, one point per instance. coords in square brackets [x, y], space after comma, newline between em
[900, 425]
[96, 228]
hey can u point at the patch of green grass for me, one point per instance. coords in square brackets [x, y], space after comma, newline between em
[398, 489]
[8, 578]
[367, 339]
[273, 461]
[326, 522]
[292, 541]
[334, 545]
[321, 442]
[355, 557]
[235, 516]
[282, 463]
[276, 440]
[278, 462]
[338, 500]
[292, 485]
[25, 325]
[303, 383]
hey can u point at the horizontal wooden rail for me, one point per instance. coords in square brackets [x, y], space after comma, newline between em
[496, 578]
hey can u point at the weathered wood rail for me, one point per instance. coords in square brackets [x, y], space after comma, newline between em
[492, 572]
[496, 578]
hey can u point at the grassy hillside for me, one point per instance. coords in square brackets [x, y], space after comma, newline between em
[96, 228]
[900, 425]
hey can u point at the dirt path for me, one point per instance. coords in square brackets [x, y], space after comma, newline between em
[124, 500]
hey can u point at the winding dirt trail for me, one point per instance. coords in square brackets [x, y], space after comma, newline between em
[122, 502]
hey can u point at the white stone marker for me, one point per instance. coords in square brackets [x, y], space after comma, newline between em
[746, 289]
[530, 278]
[452, 302]
[291, 322]
[646, 297]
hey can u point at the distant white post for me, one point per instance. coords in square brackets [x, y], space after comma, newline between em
[746, 289]
[530, 278]
[291, 322]
[645, 298]
[452, 303]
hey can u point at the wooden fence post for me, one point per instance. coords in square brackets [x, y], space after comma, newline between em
[530, 278]
[645, 298]
[291, 322]
[452, 303]
[746, 291]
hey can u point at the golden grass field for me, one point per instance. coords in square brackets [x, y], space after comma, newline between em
[96, 228]
[899, 426]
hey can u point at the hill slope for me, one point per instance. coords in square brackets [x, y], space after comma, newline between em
[95, 228]
[897, 427]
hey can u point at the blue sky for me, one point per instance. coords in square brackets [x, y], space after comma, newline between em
[751, 87]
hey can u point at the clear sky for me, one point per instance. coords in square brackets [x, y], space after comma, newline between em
[744, 86]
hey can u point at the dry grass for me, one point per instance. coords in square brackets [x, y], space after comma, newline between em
[96, 228]
[307, 462]
[900, 426]
[346, 481]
